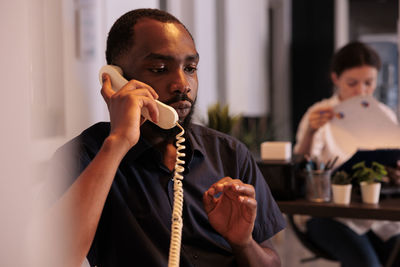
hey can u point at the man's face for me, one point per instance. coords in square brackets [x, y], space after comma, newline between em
[164, 56]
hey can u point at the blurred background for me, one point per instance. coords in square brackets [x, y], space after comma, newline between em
[267, 59]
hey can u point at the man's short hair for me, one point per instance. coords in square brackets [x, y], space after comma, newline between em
[121, 35]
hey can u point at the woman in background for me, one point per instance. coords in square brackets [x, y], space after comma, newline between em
[354, 72]
[353, 242]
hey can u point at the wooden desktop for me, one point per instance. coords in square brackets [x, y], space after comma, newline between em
[386, 209]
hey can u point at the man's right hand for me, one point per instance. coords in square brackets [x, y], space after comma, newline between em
[125, 107]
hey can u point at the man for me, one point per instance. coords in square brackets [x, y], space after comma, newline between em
[122, 197]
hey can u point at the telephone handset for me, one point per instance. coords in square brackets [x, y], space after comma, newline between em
[167, 114]
[168, 118]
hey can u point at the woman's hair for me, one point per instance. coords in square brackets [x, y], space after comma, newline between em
[354, 54]
[121, 35]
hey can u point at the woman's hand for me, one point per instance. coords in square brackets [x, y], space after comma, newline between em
[319, 116]
[394, 174]
[125, 107]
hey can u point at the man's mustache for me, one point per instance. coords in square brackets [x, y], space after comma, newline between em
[179, 97]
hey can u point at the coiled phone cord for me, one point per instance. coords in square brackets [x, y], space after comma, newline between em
[177, 223]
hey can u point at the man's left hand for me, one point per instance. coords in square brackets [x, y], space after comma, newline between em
[231, 208]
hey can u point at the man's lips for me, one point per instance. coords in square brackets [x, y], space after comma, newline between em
[182, 107]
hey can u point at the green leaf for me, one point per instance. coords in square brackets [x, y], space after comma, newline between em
[341, 178]
[372, 174]
[219, 118]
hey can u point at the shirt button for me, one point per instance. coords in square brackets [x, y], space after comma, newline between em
[195, 256]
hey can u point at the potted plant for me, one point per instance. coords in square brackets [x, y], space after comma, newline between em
[220, 119]
[370, 179]
[341, 187]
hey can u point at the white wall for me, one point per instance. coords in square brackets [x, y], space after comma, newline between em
[16, 83]
[280, 80]
[204, 30]
[247, 44]
[235, 74]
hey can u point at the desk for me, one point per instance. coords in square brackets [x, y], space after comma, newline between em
[387, 209]
[281, 178]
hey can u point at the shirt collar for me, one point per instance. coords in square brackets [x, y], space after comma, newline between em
[140, 149]
[192, 142]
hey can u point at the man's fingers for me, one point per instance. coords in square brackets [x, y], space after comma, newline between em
[249, 202]
[106, 89]
[139, 84]
[245, 190]
[232, 186]
[249, 208]
[219, 186]
[152, 108]
[208, 201]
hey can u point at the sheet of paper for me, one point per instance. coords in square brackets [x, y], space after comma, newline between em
[360, 123]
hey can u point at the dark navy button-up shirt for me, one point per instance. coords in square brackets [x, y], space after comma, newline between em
[134, 228]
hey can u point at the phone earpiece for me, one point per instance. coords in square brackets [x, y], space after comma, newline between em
[167, 114]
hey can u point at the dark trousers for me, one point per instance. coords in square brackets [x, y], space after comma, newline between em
[350, 248]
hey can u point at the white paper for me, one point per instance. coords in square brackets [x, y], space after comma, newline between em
[360, 123]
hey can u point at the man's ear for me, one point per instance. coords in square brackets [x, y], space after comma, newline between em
[334, 78]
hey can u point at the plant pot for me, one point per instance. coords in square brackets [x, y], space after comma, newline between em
[341, 193]
[370, 192]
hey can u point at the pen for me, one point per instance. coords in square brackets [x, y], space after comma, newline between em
[327, 164]
[321, 166]
[334, 161]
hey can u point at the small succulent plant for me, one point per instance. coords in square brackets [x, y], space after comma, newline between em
[341, 178]
[372, 174]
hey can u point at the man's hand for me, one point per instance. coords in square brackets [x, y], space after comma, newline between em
[231, 208]
[125, 107]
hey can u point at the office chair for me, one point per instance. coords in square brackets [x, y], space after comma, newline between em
[309, 244]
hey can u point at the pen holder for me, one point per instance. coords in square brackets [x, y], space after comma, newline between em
[318, 185]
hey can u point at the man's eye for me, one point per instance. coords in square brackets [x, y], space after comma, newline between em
[191, 69]
[158, 69]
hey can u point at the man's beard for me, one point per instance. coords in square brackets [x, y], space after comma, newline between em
[170, 134]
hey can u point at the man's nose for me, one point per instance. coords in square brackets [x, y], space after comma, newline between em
[180, 82]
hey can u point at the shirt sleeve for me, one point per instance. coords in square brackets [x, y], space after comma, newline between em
[269, 220]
